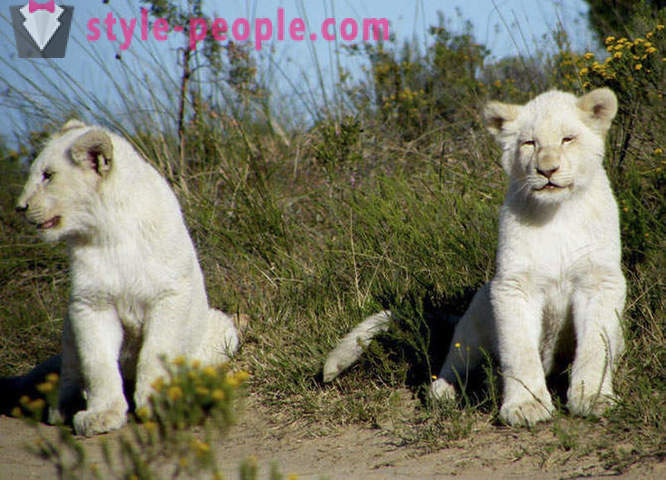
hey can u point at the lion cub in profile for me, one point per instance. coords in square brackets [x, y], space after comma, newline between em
[137, 291]
[558, 288]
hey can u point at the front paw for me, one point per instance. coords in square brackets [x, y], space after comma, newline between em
[527, 413]
[583, 405]
[92, 422]
[441, 390]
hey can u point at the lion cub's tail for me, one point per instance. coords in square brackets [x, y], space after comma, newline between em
[351, 346]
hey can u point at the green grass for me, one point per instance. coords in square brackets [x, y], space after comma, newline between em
[392, 205]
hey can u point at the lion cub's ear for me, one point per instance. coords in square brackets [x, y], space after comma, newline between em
[497, 115]
[599, 108]
[93, 150]
[72, 125]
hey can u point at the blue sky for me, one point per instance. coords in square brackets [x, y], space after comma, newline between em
[507, 27]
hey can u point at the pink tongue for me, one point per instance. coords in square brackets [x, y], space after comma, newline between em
[50, 223]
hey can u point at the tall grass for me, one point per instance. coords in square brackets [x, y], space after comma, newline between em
[388, 200]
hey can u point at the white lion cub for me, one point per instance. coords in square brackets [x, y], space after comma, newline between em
[137, 291]
[558, 288]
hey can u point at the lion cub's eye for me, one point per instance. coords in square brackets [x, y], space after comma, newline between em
[47, 176]
[527, 143]
[568, 139]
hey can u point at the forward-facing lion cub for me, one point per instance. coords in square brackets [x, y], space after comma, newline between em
[559, 288]
[137, 291]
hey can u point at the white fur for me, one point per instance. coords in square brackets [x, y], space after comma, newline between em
[559, 287]
[137, 291]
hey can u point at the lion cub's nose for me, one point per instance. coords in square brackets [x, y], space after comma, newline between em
[20, 208]
[549, 172]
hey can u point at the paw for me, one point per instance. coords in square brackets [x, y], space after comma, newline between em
[526, 413]
[441, 390]
[91, 422]
[589, 405]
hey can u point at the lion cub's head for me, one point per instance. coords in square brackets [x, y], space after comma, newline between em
[62, 190]
[553, 145]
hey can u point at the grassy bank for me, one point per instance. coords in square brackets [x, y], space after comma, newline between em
[389, 201]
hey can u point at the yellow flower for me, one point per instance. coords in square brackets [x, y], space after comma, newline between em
[158, 384]
[609, 39]
[622, 40]
[584, 71]
[36, 405]
[588, 55]
[150, 426]
[196, 363]
[24, 400]
[658, 151]
[434, 377]
[617, 55]
[498, 83]
[457, 345]
[175, 393]
[203, 391]
[638, 41]
[143, 413]
[292, 476]
[45, 387]
[218, 395]
[209, 371]
[200, 447]
[638, 66]
[651, 50]
[610, 48]
[618, 47]
[660, 27]
[16, 412]
[242, 376]
[52, 377]
[178, 361]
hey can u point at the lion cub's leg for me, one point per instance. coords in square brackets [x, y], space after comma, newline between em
[165, 333]
[599, 343]
[474, 335]
[99, 337]
[518, 315]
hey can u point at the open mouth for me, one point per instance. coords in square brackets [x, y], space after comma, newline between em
[549, 186]
[54, 222]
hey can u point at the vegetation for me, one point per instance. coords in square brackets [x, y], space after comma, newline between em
[388, 199]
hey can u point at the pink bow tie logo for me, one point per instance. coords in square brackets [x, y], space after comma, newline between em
[34, 6]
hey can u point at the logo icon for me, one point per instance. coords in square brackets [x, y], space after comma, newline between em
[41, 29]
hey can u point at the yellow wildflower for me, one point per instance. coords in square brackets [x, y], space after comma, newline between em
[16, 412]
[660, 27]
[175, 393]
[36, 405]
[143, 413]
[209, 371]
[158, 384]
[584, 71]
[178, 361]
[52, 377]
[610, 39]
[457, 345]
[658, 151]
[588, 55]
[45, 387]
[638, 66]
[150, 426]
[218, 395]
[651, 50]
[617, 55]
